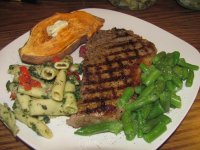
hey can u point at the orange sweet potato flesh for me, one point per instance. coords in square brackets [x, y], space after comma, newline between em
[41, 48]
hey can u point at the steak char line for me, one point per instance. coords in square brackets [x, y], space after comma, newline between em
[111, 64]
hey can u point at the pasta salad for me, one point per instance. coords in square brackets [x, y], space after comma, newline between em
[41, 92]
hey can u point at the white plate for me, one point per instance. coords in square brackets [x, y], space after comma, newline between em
[63, 135]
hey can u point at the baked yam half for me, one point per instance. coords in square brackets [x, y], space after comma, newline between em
[58, 36]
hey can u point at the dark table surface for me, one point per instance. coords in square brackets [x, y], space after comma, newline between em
[16, 18]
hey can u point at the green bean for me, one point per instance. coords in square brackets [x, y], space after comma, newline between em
[128, 127]
[144, 75]
[145, 110]
[149, 125]
[146, 91]
[167, 72]
[158, 130]
[165, 100]
[142, 102]
[140, 121]
[178, 71]
[127, 94]
[111, 126]
[166, 119]
[190, 78]
[169, 60]
[152, 77]
[181, 72]
[133, 116]
[144, 68]
[135, 127]
[159, 57]
[156, 111]
[176, 57]
[159, 86]
[187, 65]
[185, 72]
[170, 86]
[161, 78]
[175, 101]
[138, 89]
[177, 81]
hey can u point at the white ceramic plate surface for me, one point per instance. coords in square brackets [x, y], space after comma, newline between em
[64, 137]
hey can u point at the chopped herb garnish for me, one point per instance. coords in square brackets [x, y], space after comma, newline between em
[80, 68]
[14, 106]
[64, 100]
[44, 107]
[11, 86]
[8, 85]
[44, 96]
[11, 67]
[34, 127]
[73, 79]
[77, 92]
[33, 71]
[46, 119]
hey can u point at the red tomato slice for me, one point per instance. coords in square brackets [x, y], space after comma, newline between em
[24, 70]
[25, 79]
[35, 83]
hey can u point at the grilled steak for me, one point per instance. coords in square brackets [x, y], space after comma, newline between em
[110, 65]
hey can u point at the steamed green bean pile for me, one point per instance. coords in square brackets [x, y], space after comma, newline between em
[145, 116]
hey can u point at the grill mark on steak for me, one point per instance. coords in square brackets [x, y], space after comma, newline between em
[110, 90]
[96, 104]
[127, 51]
[109, 75]
[99, 99]
[112, 61]
[110, 65]
[102, 108]
[133, 54]
[92, 88]
[119, 43]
